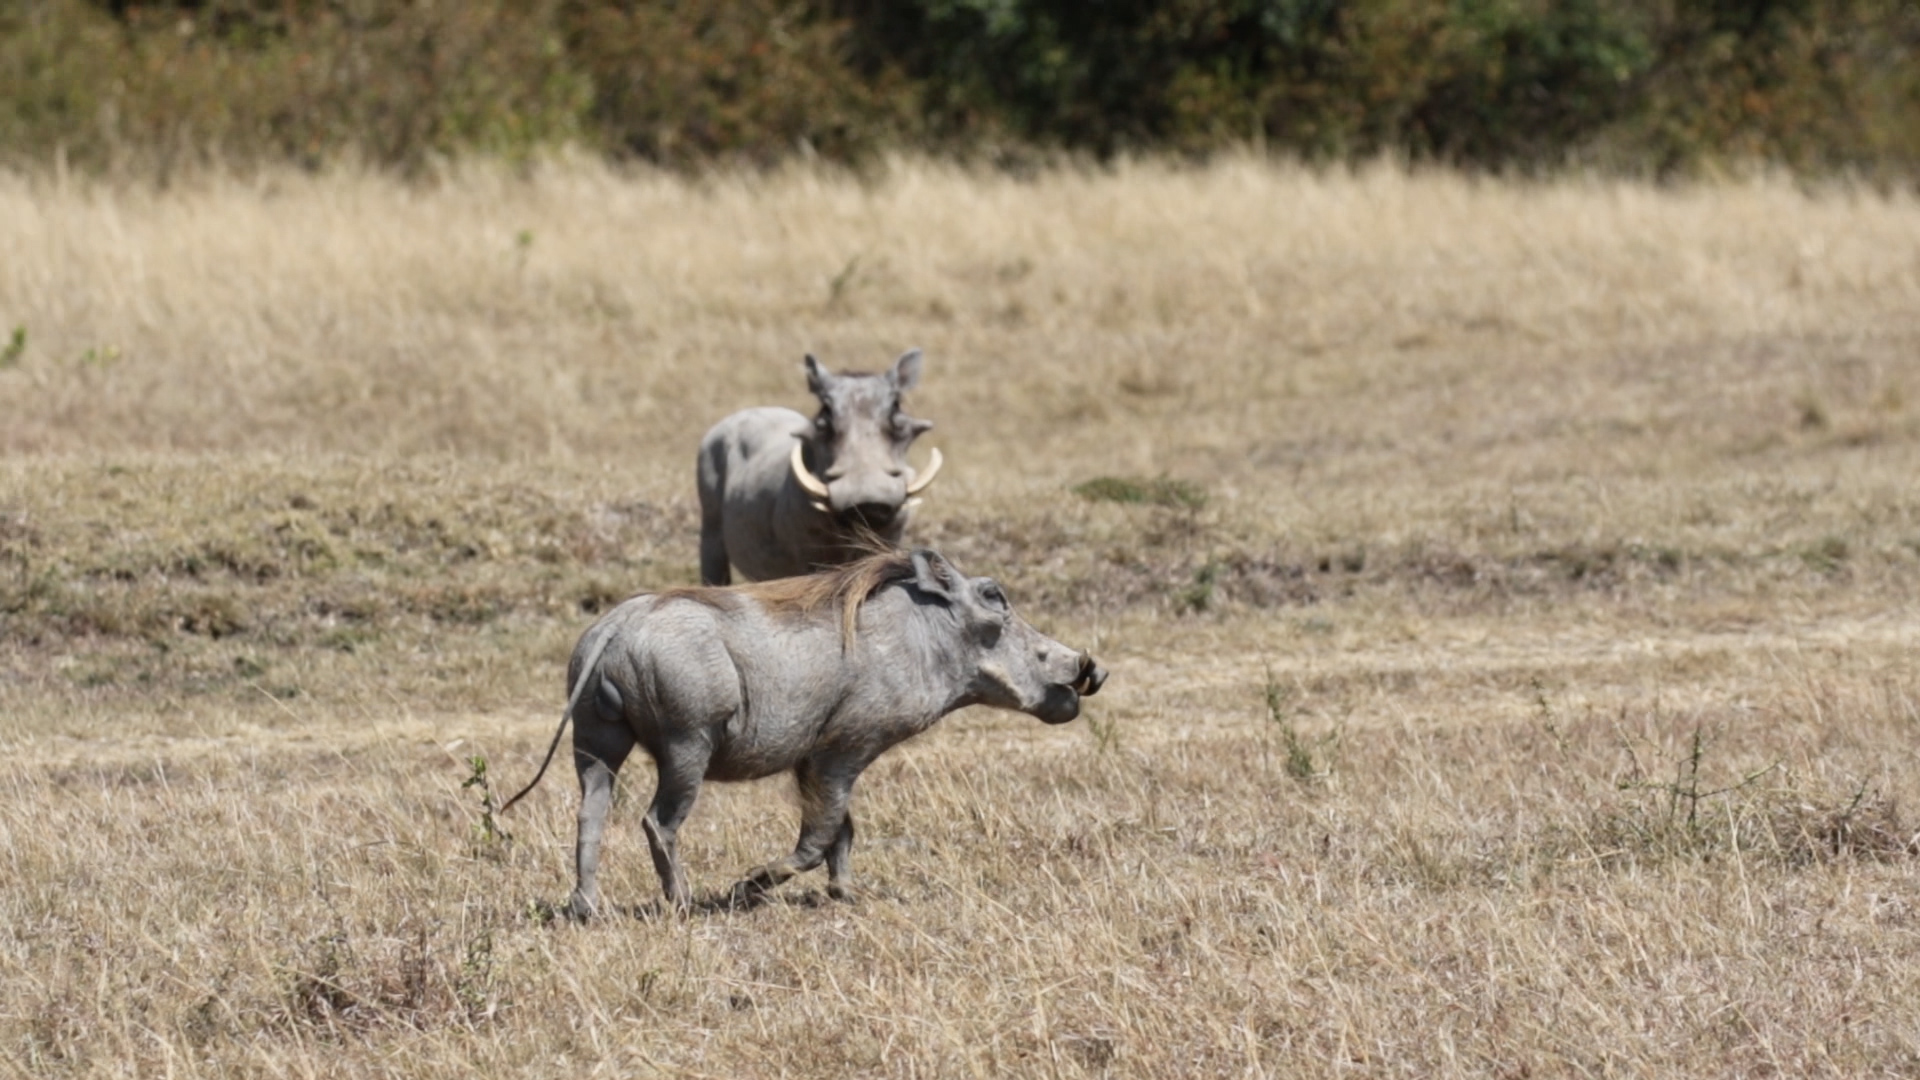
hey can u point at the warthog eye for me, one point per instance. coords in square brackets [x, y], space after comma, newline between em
[993, 596]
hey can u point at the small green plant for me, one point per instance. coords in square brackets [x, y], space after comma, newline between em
[1299, 762]
[488, 828]
[474, 985]
[1106, 733]
[15, 347]
[1685, 786]
[541, 912]
[1159, 491]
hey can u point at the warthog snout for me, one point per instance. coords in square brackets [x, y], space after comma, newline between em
[875, 516]
[1060, 702]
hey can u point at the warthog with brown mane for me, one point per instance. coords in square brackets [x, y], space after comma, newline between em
[815, 675]
[782, 495]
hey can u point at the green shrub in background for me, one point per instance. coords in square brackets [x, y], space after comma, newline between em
[1628, 84]
[682, 82]
[1657, 86]
[157, 87]
[1814, 84]
[1530, 83]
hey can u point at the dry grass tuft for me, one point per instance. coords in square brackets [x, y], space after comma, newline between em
[1508, 591]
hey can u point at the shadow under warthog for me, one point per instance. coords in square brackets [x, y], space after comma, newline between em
[738, 899]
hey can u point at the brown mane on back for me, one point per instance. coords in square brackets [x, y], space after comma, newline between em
[847, 585]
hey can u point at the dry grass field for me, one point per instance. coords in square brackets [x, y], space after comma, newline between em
[1512, 633]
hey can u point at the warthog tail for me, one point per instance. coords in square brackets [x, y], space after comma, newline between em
[586, 676]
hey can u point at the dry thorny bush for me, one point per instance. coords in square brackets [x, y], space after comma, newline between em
[1507, 589]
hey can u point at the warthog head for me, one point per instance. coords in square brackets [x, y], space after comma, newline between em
[854, 463]
[1015, 666]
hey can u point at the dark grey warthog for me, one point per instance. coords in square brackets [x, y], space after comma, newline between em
[782, 495]
[816, 675]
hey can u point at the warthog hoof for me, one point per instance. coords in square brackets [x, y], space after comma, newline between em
[746, 894]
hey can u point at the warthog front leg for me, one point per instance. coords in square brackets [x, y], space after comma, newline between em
[714, 564]
[840, 861]
[826, 830]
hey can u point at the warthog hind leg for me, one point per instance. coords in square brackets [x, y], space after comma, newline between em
[598, 752]
[680, 776]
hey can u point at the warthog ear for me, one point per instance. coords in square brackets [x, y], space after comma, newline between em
[906, 370]
[933, 574]
[817, 375]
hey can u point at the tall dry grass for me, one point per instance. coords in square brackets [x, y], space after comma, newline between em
[1520, 684]
[583, 313]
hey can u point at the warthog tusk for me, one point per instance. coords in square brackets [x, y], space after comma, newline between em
[933, 469]
[822, 507]
[807, 480]
[911, 503]
[1090, 679]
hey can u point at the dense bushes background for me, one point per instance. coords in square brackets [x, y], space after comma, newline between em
[1635, 85]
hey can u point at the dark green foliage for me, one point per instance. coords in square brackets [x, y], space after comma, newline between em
[155, 87]
[1529, 85]
[687, 81]
[1629, 83]
[1636, 85]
